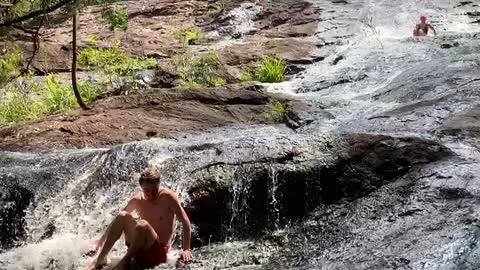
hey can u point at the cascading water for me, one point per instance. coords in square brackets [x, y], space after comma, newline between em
[241, 19]
[379, 79]
[375, 78]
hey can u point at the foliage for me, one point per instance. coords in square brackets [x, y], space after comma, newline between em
[58, 97]
[16, 8]
[12, 9]
[215, 8]
[27, 99]
[197, 71]
[99, 2]
[113, 61]
[187, 35]
[118, 18]
[246, 76]
[55, 96]
[275, 112]
[269, 70]
[92, 39]
[9, 63]
[17, 106]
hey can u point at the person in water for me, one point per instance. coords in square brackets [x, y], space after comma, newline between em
[148, 236]
[422, 28]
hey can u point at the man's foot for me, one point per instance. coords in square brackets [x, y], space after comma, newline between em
[95, 265]
[122, 265]
[92, 250]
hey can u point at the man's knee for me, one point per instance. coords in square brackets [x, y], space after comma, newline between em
[145, 229]
[144, 234]
[142, 226]
[124, 216]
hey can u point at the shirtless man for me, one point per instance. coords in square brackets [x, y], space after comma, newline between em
[148, 237]
[422, 28]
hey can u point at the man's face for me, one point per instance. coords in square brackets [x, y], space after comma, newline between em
[150, 187]
[423, 20]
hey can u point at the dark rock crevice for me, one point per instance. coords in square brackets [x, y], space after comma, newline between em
[266, 196]
[14, 200]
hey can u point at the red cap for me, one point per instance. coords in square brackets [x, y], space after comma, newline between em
[423, 18]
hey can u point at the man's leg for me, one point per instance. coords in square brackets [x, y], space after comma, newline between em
[123, 223]
[144, 236]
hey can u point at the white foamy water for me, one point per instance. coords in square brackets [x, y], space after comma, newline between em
[375, 45]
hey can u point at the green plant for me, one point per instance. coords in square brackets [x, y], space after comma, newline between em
[187, 35]
[18, 8]
[26, 99]
[246, 76]
[275, 112]
[92, 39]
[9, 63]
[18, 106]
[197, 71]
[56, 96]
[88, 91]
[118, 18]
[269, 70]
[215, 8]
[99, 2]
[113, 61]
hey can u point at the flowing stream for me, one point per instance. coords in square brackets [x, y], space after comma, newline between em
[375, 78]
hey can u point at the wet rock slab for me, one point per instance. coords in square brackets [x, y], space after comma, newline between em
[239, 173]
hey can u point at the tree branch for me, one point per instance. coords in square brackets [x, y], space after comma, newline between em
[23, 29]
[35, 13]
[36, 45]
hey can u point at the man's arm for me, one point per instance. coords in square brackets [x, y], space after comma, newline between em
[433, 29]
[186, 227]
[417, 27]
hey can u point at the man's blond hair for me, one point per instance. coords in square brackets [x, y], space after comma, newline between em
[150, 173]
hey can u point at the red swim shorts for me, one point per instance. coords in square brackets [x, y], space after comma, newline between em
[153, 256]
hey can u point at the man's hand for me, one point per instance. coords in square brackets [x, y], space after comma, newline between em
[186, 256]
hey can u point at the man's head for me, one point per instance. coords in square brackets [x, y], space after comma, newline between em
[150, 181]
[423, 18]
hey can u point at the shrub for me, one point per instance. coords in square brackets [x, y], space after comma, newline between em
[19, 8]
[58, 97]
[246, 76]
[92, 39]
[215, 8]
[88, 91]
[187, 35]
[275, 112]
[27, 101]
[9, 63]
[99, 2]
[55, 96]
[19, 106]
[113, 61]
[197, 72]
[269, 70]
[118, 18]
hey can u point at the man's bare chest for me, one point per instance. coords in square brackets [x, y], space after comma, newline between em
[155, 212]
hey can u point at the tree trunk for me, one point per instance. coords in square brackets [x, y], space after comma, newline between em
[74, 58]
